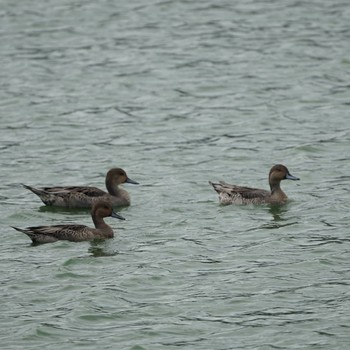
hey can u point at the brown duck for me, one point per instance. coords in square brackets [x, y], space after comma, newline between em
[232, 194]
[85, 197]
[74, 232]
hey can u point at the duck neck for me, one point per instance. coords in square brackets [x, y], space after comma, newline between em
[102, 228]
[112, 187]
[276, 192]
[99, 222]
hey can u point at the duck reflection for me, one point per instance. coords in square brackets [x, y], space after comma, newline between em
[100, 248]
[277, 211]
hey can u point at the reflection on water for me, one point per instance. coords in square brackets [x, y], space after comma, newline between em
[277, 211]
[99, 248]
[279, 217]
[178, 93]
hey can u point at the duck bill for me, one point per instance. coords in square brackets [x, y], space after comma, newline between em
[117, 216]
[291, 177]
[129, 181]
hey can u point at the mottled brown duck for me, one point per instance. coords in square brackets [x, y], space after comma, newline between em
[232, 194]
[85, 197]
[75, 232]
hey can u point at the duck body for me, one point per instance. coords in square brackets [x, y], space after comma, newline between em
[232, 194]
[86, 197]
[75, 232]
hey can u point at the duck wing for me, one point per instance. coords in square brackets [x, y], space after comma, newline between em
[47, 234]
[245, 192]
[232, 194]
[87, 191]
[68, 196]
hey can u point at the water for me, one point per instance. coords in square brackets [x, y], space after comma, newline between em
[177, 93]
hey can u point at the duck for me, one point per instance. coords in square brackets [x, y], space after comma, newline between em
[232, 194]
[75, 232]
[85, 197]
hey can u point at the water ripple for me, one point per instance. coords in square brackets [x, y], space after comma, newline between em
[178, 93]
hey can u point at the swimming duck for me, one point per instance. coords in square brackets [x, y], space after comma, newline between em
[232, 194]
[85, 197]
[74, 232]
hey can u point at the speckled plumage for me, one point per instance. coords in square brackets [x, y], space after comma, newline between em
[75, 232]
[85, 197]
[232, 194]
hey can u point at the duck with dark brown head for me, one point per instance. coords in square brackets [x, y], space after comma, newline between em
[75, 232]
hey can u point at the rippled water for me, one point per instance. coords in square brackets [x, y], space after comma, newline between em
[177, 93]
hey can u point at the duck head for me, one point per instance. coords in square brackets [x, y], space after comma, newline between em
[278, 173]
[115, 177]
[103, 209]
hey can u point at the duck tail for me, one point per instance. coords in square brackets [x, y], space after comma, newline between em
[16, 228]
[217, 186]
[23, 230]
[26, 231]
[39, 192]
[44, 195]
